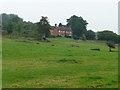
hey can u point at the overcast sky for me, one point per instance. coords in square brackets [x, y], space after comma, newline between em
[100, 14]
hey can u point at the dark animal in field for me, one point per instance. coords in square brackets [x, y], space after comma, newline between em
[69, 50]
[96, 49]
[69, 61]
[47, 40]
[70, 55]
[37, 43]
[52, 45]
[44, 38]
[74, 46]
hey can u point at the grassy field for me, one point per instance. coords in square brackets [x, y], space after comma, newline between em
[60, 63]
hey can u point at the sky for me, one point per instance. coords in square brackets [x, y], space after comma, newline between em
[100, 14]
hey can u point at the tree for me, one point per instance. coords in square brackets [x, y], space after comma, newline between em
[19, 26]
[90, 35]
[11, 23]
[118, 39]
[110, 45]
[78, 25]
[9, 28]
[55, 25]
[43, 28]
[108, 36]
[60, 25]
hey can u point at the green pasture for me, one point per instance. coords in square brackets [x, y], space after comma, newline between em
[60, 63]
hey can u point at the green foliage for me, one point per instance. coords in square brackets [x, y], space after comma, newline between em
[90, 35]
[28, 29]
[43, 28]
[11, 23]
[118, 39]
[19, 26]
[108, 36]
[77, 24]
[15, 25]
[9, 27]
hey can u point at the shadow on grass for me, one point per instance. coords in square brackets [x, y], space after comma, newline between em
[68, 60]
[115, 51]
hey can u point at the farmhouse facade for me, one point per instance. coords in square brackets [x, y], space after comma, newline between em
[61, 31]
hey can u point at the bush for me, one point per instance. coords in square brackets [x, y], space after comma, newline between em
[76, 37]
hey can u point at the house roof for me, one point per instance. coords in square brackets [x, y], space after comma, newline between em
[63, 28]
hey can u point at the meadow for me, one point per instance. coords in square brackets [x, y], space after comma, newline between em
[60, 63]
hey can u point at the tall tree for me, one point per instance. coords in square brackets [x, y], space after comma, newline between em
[60, 25]
[78, 25]
[118, 39]
[19, 26]
[9, 28]
[43, 28]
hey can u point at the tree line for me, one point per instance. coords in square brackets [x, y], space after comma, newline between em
[13, 25]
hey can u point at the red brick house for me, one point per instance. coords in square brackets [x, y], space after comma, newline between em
[61, 31]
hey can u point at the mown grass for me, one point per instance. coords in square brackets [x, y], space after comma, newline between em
[60, 63]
